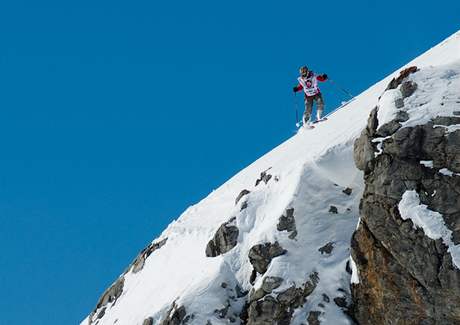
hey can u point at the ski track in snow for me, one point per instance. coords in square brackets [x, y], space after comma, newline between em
[311, 169]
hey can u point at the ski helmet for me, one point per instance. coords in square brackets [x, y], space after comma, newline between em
[303, 70]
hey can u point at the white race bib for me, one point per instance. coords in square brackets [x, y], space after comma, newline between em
[309, 85]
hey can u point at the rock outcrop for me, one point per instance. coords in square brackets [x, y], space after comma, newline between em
[287, 223]
[139, 262]
[264, 177]
[261, 255]
[175, 316]
[109, 297]
[326, 249]
[224, 240]
[242, 193]
[268, 307]
[405, 277]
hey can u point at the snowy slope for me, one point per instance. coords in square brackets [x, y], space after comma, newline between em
[309, 173]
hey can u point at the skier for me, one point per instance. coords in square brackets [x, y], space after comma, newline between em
[308, 81]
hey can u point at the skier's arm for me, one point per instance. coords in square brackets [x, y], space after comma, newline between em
[322, 77]
[297, 88]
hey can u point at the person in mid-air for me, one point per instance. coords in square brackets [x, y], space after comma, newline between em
[308, 82]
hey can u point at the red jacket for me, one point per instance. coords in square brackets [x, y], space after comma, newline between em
[321, 78]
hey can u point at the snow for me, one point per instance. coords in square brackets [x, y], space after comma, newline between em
[309, 170]
[387, 106]
[354, 272]
[447, 172]
[437, 97]
[379, 142]
[427, 163]
[430, 221]
[440, 76]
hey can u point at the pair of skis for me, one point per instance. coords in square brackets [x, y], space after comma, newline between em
[310, 125]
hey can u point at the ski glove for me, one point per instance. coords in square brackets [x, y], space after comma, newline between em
[324, 76]
[294, 89]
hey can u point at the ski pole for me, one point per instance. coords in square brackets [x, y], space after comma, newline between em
[296, 110]
[342, 89]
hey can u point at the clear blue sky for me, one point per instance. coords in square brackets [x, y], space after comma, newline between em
[115, 116]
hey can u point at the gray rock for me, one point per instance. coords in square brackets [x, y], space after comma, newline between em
[446, 120]
[399, 102]
[287, 222]
[388, 129]
[333, 209]
[406, 143]
[326, 249]
[457, 113]
[260, 256]
[224, 240]
[408, 88]
[395, 82]
[270, 283]
[175, 315]
[372, 123]
[291, 296]
[310, 285]
[313, 317]
[326, 298]
[240, 292]
[101, 313]
[188, 318]
[268, 312]
[110, 296]
[347, 191]
[138, 263]
[148, 321]
[293, 235]
[253, 277]
[401, 116]
[242, 193]
[452, 148]
[341, 302]
[264, 177]
[363, 148]
[256, 294]
[363, 153]
[279, 310]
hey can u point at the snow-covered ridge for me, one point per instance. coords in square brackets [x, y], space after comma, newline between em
[309, 173]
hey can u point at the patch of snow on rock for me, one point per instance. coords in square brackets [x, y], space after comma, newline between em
[427, 163]
[430, 221]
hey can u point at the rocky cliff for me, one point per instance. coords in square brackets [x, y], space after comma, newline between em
[406, 246]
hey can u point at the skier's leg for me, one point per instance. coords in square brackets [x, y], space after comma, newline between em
[308, 108]
[319, 106]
